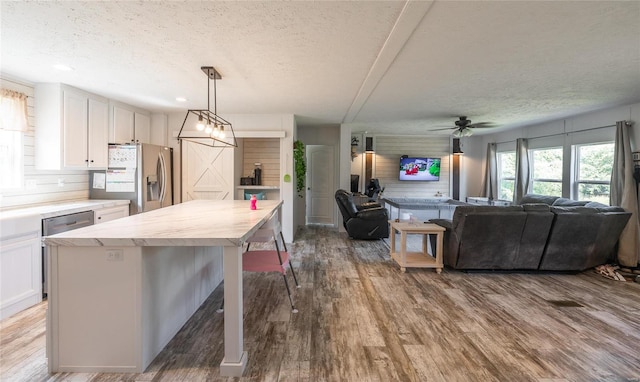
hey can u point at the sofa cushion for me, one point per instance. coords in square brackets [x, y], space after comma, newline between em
[573, 209]
[536, 198]
[568, 202]
[536, 207]
[461, 211]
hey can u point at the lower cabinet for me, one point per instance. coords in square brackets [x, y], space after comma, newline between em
[111, 213]
[20, 272]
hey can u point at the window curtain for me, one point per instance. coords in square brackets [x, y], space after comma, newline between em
[522, 169]
[13, 111]
[623, 194]
[490, 188]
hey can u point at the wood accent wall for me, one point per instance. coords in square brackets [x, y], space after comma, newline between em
[265, 151]
[389, 149]
[46, 189]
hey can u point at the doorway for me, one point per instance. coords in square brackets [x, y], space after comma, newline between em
[320, 206]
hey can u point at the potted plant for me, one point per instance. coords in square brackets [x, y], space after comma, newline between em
[300, 166]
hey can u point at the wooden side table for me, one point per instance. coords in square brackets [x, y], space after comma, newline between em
[416, 259]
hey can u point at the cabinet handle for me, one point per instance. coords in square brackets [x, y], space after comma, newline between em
[86, 160]
[91, 160]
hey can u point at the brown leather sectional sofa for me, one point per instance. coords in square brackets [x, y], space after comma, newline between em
[541, 233]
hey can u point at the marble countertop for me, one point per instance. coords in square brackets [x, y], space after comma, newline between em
[58, 209]
[194, 223]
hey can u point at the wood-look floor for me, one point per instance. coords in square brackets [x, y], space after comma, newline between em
[361, 319]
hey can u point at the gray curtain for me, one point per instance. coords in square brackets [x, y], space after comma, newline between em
[490, 186]
[522, 169]
[623, 194]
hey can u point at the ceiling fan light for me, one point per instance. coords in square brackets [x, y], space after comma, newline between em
[467, 132]
[457, 133]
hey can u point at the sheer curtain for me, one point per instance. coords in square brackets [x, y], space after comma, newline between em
[623, 194]
[13, 111]
[490, 187]
[522, 169]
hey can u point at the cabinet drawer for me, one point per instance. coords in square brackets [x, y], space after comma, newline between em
[111, 213]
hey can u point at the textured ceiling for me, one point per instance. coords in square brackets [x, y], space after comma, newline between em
[407, 66]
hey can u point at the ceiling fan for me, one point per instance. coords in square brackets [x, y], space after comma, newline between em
[463, 127]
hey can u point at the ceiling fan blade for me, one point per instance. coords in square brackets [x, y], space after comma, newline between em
[446, 128]
[481, 125]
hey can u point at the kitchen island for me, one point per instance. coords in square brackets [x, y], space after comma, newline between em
[119, 291]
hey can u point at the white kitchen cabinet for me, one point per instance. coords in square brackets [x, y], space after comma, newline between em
[129, 125]
[71, 128]
[20, 265]
[111, 213]
[122, 127]
[159, 129]
[142, 128]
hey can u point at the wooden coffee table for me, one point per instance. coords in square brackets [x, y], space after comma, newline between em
[416, 259]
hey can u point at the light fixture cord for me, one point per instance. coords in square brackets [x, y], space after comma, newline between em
[208, 93]
[215, 103]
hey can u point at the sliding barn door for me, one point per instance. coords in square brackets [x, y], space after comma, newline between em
[207, 172]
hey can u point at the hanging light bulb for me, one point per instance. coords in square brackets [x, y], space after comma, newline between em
[200, 124]
[222, 134]
[208, 129]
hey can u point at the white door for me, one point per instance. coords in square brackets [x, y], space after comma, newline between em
[207, 172]
[320, 185]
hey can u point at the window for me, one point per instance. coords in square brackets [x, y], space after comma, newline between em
[594, 163]
[546, 171]
[13, 122]
[506, 174]
[10, 159]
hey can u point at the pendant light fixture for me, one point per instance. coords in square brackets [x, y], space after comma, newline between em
[210, 129]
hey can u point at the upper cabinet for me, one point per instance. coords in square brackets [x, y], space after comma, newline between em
[71, 128]
[129, 125]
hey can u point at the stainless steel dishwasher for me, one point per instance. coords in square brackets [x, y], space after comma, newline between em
[59, 224]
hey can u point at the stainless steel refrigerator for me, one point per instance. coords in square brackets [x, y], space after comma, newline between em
[142, 173]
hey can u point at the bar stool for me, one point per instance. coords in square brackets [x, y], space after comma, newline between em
[269, 260]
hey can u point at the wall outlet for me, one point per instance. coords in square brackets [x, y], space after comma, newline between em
[30, 184]
[115, 255]
[60, 182]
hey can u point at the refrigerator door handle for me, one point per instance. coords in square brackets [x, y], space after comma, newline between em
[162, 178]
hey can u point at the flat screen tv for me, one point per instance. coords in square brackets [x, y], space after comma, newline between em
[419, 169]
